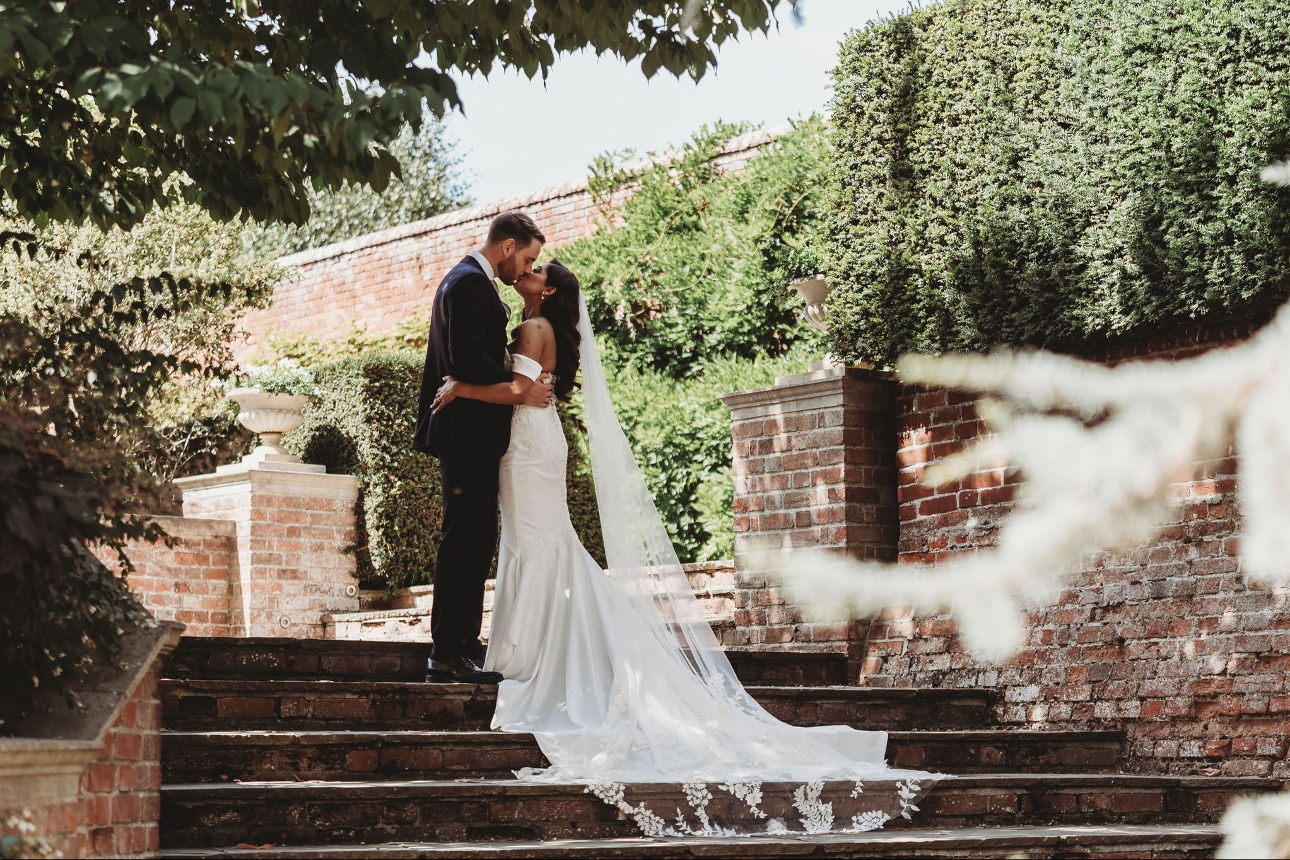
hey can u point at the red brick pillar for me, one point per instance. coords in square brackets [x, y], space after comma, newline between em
[814, 466]
[294, 524]
[815, 463]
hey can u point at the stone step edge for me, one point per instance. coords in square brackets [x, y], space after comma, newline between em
[976, 841]
[271, 737]
[304, 685]
[467, 788]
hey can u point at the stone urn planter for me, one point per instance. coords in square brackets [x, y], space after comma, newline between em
[269, 415]
[815, 292]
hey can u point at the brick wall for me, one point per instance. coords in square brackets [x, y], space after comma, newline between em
[186, 579]
[1166, 641]
[814, 464]
[374, 281]
[292, 528]
[120, 790]
[115, 807]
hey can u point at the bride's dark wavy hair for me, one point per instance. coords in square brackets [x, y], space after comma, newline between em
[561, 310]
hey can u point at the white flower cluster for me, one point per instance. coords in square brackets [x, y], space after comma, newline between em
[287, 376]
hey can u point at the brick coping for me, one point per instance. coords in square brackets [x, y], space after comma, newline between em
[742, 143]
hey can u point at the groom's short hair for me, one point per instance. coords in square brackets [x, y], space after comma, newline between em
[514, 225]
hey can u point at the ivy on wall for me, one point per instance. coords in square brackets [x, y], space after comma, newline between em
[694, 266]
[1038, 172]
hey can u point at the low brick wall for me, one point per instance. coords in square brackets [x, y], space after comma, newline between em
[187, 578]
[113, 807]
[292, 529]
[121, 790]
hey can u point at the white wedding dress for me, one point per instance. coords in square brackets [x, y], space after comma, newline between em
[617, 673]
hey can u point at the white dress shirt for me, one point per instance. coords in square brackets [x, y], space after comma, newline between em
[483, 261]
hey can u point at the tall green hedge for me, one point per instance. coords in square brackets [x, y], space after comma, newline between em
[361, 424]
[1043, 172]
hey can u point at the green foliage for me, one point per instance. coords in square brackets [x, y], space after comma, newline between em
[361, 424]
[110, 348]
[284, 377]
[111, 110]
[74, 405]
[697, 267]
[189, 427]
[105, 102]
[1036, 172]
[680, 433]
[411, 332]
[430, 184]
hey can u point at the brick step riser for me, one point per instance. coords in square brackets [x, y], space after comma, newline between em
[423, 707]
[1039, 848]
[834, 851]
[403, 814]
[185, 760]
[380, 661]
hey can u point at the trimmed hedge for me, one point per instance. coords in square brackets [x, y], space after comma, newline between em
[1024, 172]
[361, 424]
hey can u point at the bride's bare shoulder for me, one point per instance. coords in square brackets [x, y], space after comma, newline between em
[536, 327]
[534, 336]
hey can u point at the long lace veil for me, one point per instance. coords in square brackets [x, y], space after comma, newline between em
[642, 561]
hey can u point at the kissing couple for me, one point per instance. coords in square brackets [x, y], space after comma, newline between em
[616, 672]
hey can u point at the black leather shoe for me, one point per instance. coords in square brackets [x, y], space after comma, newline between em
[460, 670]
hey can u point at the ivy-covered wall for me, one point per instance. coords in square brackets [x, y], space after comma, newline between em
[1043, 172]
[695, 265]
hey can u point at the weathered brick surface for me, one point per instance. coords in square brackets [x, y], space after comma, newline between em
[815, 467]
[374, 281]
[291, 530]
[187, 578]
[1167, 641]
[118, 806]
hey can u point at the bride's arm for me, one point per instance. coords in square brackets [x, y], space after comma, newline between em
[533, 337]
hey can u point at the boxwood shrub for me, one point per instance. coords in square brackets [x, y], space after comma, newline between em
[361, 424]
[1045, 172]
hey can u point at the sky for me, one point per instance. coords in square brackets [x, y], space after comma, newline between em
[511, 142]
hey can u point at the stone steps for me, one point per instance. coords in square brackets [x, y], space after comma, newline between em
[311, 813]
[341, 749]
[1142, 841]
[198, 757]
[217, 704]
[350, 660]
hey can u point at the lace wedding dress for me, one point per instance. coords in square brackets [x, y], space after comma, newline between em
[617, 673]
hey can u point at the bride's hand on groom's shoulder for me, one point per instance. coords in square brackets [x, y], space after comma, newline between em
[541, 392]
[446, 394]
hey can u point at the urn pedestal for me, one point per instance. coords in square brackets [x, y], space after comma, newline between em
[295, 525]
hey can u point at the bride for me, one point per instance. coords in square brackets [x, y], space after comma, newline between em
[617, 673]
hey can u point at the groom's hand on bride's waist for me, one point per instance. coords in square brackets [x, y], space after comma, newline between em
[541, 392]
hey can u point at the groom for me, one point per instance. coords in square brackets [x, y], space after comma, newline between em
[468, 342]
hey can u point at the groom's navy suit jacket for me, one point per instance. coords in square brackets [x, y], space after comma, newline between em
[468, 343]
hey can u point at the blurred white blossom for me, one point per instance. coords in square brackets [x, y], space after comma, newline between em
[1099, 448]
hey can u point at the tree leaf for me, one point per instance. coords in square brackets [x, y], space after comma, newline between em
[182, 111]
